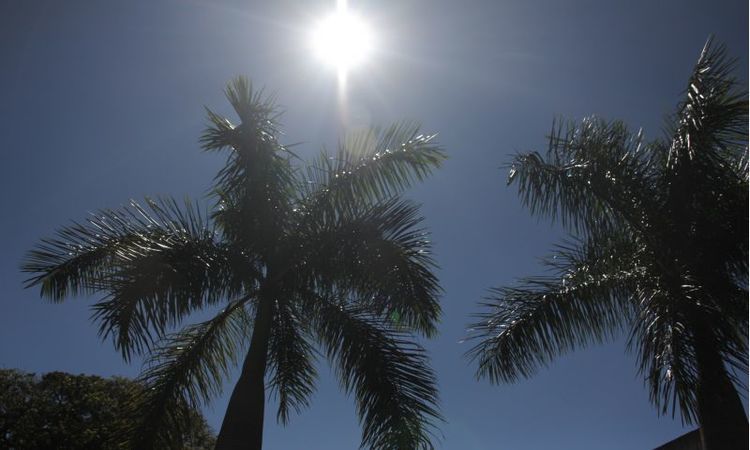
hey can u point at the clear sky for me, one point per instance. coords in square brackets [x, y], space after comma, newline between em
[103, 101]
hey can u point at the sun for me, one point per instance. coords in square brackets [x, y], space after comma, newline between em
[342, 40]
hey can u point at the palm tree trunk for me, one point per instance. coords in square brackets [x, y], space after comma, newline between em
[242, 427]
[723, 422]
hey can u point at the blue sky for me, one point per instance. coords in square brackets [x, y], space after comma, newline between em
[103, 101]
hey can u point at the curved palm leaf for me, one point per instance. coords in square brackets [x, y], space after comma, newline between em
[187, 370]
[664, 339]
[152, 293]
[291, 357]
[586, 301]
[379, 255]
[665, 352]
[370, 166]
[156, 265]
[712, 120]
[593, 175]
[392, 383]
[81, 256]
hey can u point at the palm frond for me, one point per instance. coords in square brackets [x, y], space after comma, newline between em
[154, 263]
[256, 111]
[291, 357]
[594, 174]
[255, 186]
[372, 165]
[80, 256]
[713, 118]
[381, 256]
[662, 341]
[393, 385]
[664, 338]
[188, 370]
[150, 294]
[705, 179]
[732, 337]
[252, 106]
[527, 326]
[739, 164]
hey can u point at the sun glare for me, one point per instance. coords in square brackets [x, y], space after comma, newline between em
[342, 40]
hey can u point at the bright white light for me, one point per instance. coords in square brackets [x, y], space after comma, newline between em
[342, 40]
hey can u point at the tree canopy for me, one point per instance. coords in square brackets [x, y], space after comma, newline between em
[295, 261]
[659, 247]
[58, 410]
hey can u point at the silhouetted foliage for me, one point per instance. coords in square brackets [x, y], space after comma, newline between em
[64, 411]
[659, 248]
[328, 256]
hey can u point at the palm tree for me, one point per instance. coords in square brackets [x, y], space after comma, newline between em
[291, 260]
[659, 248]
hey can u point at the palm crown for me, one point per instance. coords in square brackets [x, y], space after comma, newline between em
[294, 260]
[660, 248]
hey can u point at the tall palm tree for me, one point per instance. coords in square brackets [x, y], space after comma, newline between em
[660, 248]
[291, 260]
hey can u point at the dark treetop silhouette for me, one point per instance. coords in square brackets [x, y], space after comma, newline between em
[660, 248]
[59, 410]
[328, 256]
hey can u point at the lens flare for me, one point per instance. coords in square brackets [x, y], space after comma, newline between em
[342, 40]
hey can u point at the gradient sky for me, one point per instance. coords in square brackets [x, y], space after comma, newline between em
[103, 101]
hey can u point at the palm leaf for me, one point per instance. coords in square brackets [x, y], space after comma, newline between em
[586, 301]
[155, 264]
[187, 370]
[381, 256]
[713, 117]
[82, 256]
[394, 387]
[151, 293]
[253, 189]
[594, 175]
[291, 357]
[664, 339]
[372, 165]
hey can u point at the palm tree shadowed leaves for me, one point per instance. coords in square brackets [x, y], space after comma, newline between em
[328, 260]
[659, 248]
